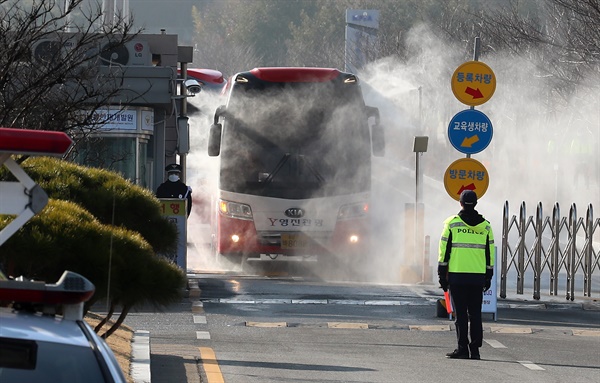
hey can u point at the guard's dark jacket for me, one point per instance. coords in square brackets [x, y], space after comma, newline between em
[177, 189]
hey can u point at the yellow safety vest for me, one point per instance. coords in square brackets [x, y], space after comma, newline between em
[471, 247]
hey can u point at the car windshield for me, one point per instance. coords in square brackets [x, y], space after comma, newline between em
[297, 141]
[30, 361]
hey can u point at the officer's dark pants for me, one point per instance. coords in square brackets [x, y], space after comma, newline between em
[467, 300]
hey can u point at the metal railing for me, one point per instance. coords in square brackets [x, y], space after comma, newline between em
[538, 245]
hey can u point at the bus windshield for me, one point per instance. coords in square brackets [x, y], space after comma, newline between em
[296, 141]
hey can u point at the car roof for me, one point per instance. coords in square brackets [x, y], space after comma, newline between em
[43, 328]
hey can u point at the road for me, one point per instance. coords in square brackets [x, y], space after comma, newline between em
[293, 328]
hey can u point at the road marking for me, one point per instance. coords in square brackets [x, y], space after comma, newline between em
[387, 303]
[347, 325]
[194, 292]
[494, 343]
[202, 335]
[538, 306]
[346, 302]
[586, 332]
[211, 366]
[238, 301]
[511, 330]
[197, 307]
[266, 324]
[531, 365]
[310, 301]
[429, 327]
[199, 319]
[274, 301]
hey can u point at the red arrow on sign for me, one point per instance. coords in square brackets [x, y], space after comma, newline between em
[468, 187]
[476, 93]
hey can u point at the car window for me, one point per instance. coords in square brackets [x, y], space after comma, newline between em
[34, 361]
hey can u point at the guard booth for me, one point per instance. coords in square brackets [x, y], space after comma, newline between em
[175, 210]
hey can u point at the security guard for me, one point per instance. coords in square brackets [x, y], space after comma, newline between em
[173, 187]
[466, 266]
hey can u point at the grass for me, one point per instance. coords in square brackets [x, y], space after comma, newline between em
[119, 342]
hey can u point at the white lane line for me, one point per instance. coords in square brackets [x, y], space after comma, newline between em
[494, 343]
[199, 319]
[387, 303]
[531, 365]
[238, 301]
[202, 335]
[309, 301]
[345, 302]
[430, 327]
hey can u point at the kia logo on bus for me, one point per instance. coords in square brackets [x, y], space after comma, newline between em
[294, 212]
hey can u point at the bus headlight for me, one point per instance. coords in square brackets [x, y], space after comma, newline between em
[353, 239]
[235, 210]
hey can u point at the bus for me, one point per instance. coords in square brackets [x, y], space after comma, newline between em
[295, 148]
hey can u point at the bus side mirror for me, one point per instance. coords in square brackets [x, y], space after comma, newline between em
[378, 140]
[214, 140]
[377, 133]
[220, 112]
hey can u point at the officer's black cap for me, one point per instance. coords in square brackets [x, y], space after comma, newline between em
[173, 168]
[468, 198]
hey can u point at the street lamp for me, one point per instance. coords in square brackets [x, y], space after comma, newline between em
[188, 88]
[420, 147]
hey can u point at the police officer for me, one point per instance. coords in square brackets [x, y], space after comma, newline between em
[173, 187]
[466, 267]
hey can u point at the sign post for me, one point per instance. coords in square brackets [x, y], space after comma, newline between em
[470, 131]
[175, 210]
[490, 297]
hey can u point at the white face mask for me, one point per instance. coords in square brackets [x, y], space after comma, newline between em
[173, 177]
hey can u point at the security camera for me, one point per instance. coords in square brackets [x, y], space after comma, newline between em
[192, 86]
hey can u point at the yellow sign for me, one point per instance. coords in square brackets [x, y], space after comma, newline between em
[473, 83]
[172, 207]
[466, 173]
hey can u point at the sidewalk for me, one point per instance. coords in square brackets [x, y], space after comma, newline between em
[179, 364]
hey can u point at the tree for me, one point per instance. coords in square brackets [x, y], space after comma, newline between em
[560, 37]
[49, 77]
[119, 261]
[108, 196]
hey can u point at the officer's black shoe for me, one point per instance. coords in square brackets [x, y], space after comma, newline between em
[475, 353]
[458, 354]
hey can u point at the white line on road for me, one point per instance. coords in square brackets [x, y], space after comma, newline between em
[202, 335]
[531, 365]
[199, 319]
[494, 343]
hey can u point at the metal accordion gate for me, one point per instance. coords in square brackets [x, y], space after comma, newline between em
[550, 246]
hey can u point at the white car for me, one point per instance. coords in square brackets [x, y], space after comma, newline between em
[43, 337]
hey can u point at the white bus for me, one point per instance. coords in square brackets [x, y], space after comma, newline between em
[295, 147]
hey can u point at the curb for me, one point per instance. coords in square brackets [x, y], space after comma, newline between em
[140, 363]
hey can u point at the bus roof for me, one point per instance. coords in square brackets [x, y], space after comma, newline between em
[295, 74]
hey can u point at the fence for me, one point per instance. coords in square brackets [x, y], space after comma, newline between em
[555, 247]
